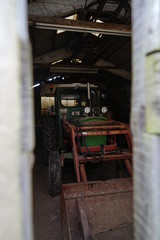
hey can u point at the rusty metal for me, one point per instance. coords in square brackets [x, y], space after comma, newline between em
[75, 155]
[107, 125]
[94, 132]
[86, 232]
[110, 157]
[97, 210]
[83, 172]
[129, 167]
[110, 151]
[98, 149]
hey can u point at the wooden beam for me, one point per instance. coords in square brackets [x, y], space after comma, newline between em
[113, 69]
[119, 9]
[90, 69]
[53, 23]
[74, 69]
[99, 9]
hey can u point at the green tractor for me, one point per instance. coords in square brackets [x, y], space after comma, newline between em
[75, 127]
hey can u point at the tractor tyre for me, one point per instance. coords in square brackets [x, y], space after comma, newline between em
[49, 137]
[54, 173]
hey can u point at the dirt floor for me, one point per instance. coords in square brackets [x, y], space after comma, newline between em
[46, 209]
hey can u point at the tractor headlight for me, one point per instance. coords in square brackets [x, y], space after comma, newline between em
[87, 110]
[104, 109]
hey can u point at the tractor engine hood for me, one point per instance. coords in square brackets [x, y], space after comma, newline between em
[87, 120]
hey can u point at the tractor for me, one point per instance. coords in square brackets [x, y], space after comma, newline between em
[77, 127]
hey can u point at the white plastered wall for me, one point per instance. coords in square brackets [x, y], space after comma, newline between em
[146, 117]
[16, 123]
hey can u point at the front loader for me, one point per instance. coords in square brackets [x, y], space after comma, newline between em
[90, 209]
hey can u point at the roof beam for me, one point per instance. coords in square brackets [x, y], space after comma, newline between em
[89, 69]
[119, 8]
[74, 69]
[99, 9]
[53, 23]
[109, 67]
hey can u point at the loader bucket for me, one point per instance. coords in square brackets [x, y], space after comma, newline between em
[97, 210]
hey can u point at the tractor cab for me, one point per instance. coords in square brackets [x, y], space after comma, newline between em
[72, 102]
[77, 100]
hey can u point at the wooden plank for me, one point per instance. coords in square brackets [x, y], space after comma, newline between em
[79, 26]
[74, 69]
[88, 69]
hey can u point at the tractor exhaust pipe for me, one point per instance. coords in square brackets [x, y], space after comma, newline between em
[89, 97]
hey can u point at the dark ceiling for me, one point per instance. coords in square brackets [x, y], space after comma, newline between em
[94, 47]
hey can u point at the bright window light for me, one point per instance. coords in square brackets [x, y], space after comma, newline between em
[60, 31]
[72, 17]
[95, 34]
[60, 60]
[99, 21]
[76, 60]
[36, 85]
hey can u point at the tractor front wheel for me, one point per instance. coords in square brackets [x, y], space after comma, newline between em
[54, 173]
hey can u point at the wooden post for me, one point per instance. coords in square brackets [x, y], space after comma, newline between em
[16, 128]
[146, 118]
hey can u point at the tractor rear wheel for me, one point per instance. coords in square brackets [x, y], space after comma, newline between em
[54, 173]
[49, 137]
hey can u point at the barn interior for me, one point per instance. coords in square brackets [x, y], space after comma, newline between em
[85, 41]
[96, 49]
[76, 42]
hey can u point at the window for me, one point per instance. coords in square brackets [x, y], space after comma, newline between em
[47, 105]
[77, 97]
